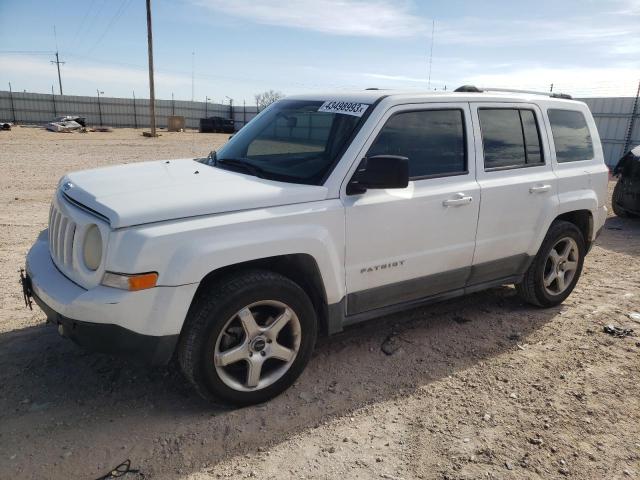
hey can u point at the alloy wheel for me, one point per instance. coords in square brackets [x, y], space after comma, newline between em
[257, 345]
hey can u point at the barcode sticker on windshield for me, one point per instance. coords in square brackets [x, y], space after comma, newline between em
[348, 108]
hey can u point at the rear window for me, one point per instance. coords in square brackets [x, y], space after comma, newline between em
[571, 135]
[510, 138]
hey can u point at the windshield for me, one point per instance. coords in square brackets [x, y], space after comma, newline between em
[291, 141]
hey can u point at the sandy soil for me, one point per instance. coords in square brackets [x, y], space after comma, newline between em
[483, 387]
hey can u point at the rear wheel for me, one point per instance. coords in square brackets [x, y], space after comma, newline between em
[616, 201]
[556, 268]
[247, 338]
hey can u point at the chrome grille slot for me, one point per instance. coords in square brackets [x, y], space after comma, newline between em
[62, 231]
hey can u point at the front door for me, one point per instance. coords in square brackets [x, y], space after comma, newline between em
[407, 244]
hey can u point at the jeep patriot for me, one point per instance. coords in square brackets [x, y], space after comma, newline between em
[323, 211]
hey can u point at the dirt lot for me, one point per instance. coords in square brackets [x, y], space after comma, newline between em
[484, 387]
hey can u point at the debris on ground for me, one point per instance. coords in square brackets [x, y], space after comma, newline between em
[101, 129]
[119, 471]
[5, 126]
[635, 316]
[64, 127]
[616, 331]
[71, 118]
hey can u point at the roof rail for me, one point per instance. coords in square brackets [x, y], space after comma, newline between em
[474, 89]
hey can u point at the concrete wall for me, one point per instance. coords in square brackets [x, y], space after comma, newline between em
[41, 108]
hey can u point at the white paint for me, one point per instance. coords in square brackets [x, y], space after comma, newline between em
[164, 217]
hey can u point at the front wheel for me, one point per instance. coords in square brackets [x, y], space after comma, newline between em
[247, 338]
[556, 268]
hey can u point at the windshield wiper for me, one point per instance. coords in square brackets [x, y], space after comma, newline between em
[237, 162]
[210, 159]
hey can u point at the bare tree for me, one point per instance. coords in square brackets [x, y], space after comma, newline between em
[266, 98]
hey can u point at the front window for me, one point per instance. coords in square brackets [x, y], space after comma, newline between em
[293, 141]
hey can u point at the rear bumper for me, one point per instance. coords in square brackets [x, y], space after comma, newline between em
[144, 324]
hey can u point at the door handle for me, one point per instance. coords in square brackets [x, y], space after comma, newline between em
[459, 200]
[540, 188]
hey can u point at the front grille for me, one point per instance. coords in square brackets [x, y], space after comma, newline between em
[62, 230]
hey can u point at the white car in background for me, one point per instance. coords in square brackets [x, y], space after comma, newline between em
[324, 211]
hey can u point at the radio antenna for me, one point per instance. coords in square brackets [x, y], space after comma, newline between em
[433, 29]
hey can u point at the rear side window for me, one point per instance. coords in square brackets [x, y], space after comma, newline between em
[510, 138]
[432, 140]
[570, 135]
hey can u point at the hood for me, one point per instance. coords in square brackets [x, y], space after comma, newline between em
[149, 192]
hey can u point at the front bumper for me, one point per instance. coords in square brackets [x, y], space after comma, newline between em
[144, 324]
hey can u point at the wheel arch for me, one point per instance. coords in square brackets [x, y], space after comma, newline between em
[583, 219]
[301, 268]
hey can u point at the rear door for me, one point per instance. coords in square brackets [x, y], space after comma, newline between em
[518, 188]
[407, 244]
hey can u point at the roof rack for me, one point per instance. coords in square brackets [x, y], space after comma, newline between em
[474, 89]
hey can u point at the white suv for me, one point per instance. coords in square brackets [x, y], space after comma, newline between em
[324, 211]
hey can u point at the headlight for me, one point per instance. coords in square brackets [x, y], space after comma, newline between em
[92, 250]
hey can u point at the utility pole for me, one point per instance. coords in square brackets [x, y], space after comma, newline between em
[193, 63]
[57, 60]
[135, 114]
[13, 109]
[632, 121]
[551, 88]
[230, 106]
[99, 107]
[206, 104]
[152, 96]
[53, 99]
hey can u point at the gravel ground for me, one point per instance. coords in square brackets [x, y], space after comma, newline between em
[482, 387]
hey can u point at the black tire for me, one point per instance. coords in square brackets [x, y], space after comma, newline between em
[532, 288]
[208, 315]
[616, 199]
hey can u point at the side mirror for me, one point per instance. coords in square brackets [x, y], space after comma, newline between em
[380, 171]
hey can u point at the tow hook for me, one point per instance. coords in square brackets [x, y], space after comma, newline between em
[27, 292]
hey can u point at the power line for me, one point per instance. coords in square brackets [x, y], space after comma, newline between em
[84, 19]
[25, 52]
[119, 12]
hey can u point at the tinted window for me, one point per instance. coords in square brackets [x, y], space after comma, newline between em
[570, 135]
[510, 138]
[433, 140]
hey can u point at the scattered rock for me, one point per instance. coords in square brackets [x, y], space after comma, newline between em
[513, 395]
[486, 417]
[536, 441]
[391, 345]
[461, 320]
[508, 465]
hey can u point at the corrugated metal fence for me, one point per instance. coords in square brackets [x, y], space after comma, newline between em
[613, 115]
[41, 108]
